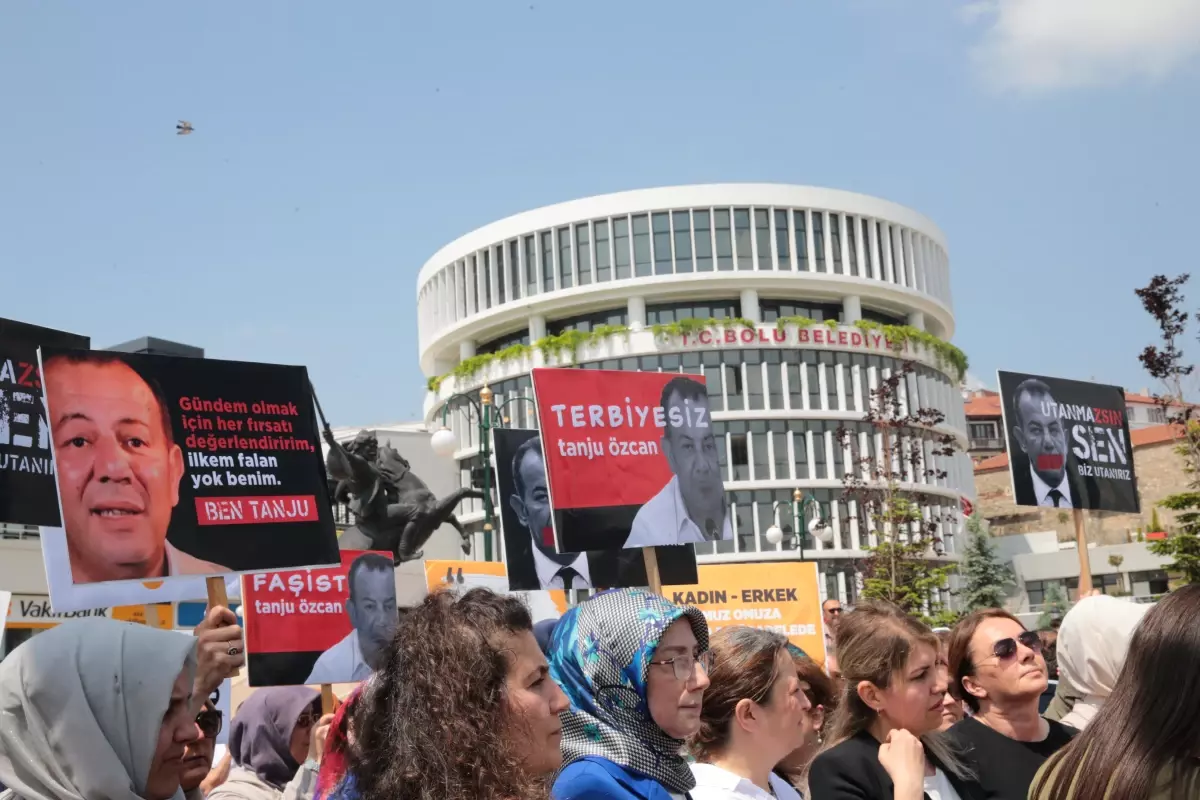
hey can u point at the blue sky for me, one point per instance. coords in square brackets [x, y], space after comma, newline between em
[337, 146]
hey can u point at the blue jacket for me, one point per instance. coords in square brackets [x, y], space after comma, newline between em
[595, 778]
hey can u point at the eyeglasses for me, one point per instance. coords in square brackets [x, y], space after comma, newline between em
[1007, 648]
[306, 720]
[685, 665]
[209, 722]
[837, 610]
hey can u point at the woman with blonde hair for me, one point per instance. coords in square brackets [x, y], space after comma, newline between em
[884, 741]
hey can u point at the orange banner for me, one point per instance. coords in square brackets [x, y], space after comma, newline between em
[492, 575]
[782, 596]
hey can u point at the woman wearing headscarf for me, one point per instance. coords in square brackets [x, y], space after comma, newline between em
[96, 709]
[634, 667]
[270, 738]
[1092, 645]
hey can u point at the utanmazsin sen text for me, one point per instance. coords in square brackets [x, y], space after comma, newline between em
[628, 416]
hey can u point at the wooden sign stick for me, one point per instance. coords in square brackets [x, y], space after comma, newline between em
[216, 592]
[328, 701]
[653, 579]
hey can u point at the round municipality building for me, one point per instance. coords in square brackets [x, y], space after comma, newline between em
[777, 295]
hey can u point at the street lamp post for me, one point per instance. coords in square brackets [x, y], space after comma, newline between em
[488, 415]
[817, 527]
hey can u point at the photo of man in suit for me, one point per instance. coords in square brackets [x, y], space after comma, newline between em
[525, 515]
[1043, 469]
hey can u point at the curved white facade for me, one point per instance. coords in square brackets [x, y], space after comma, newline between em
[754, 252]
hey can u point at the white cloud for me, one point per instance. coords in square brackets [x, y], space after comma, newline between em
[974, 382]
[1052, 44]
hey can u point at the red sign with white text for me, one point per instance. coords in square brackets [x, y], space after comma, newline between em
[604, 435]
[296, 620]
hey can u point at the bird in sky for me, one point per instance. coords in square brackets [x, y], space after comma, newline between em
[183, 128]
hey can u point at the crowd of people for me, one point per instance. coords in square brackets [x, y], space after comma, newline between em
[626, 696]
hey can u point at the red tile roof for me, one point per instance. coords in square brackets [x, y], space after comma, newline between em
[1143, 437]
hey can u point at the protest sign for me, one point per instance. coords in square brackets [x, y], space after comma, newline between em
[781, 596]
[631, 459]
[27, 495]
[466, 575]
[173, 466]
[533, 563]
[1068, 443]
[314, 626]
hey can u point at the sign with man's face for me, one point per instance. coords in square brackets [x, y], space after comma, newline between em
[525, 522]
[308, 627]
[170, 466]
[632, 459]
[27, 490]
[1068, 443]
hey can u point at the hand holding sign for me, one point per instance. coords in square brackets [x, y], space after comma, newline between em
[220, 652]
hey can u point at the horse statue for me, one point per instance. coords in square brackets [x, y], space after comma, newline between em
[394, 508]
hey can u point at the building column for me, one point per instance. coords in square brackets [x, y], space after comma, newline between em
[636, 308]
[916, 319]
[466, 349]
[851, 309]
[537, 328]
[750, 309]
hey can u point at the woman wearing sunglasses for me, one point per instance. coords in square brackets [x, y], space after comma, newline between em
[198, 755]
[271, 738]
[996, 668]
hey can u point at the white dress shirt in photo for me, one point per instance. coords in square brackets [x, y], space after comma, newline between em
[342, 663]
[714, 783]
[549, 576]
[664, 521]
[1042, 490]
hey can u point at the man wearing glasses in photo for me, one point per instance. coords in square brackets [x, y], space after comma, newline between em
[996, 667]
[831, 615]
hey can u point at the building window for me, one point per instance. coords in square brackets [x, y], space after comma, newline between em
[835, 241]
[779, 450]
[733, 382]
[1157, 415]
[565, 279]
[762, 238]
[801, 217]
[665, 313]
[773, 310]
[865, 233]
[531, 269]
[983, 430]
[818, 225]
[1151, 583]
[496, 345]
[724, 240]
[584, 254]
[621, 247]
[851, 246]
[662, 243]
[754, 381]
[547, 262]
[882, 317]
[514, 269]
[501, 274]
[783, 243]
[745, 251]
[641, 246]
[603, 256]
[739, 454]
[704, 248]
[682, 227]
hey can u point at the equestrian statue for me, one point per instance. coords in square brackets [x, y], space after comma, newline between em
[394, 508]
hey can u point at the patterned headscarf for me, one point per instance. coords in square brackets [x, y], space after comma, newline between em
[599, 655]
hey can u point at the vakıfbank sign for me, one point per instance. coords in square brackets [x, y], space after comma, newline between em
[34, 611]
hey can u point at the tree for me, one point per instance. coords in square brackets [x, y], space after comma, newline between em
[985, 576]
[880, 486]
[1163, 300]
[1055, 607]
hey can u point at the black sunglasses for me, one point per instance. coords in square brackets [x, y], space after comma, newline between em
[1007, 648]
[209, 722]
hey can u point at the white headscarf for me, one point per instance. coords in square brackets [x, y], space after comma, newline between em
[1092, 644]
[81, 707]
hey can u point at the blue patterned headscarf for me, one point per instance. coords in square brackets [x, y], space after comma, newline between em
[599, 655]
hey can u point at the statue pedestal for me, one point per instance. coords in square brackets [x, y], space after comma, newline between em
[354, 539]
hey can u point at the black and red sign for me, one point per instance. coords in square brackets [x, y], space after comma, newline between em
[167, 465]
[27, 495]
[1068, 443]
[631, 457]
[315, 626]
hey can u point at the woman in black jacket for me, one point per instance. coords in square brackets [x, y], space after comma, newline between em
[884, 740]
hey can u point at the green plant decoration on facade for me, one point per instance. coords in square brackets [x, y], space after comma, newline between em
[554, 345]
[569, 342]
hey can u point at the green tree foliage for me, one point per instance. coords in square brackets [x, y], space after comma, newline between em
[903, 566]
[986, 578]
[1163, 300]
[1055, 607]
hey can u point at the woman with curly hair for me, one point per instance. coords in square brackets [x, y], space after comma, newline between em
[462, 709]
[635, 668]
